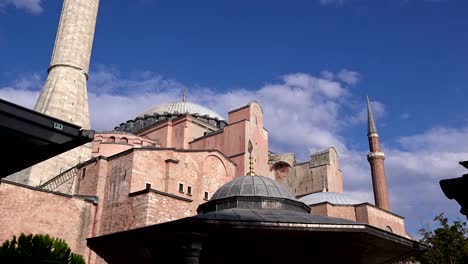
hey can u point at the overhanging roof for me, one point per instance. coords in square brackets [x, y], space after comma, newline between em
[29, 137]
[256, 236]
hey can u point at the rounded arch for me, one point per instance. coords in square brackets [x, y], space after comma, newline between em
[389, 229]
[281, 171]
[111, 139]
[123, 140]
[279, 164]
[213, 163]
[137, 142]
[214, 173]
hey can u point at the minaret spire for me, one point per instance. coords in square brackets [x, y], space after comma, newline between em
[64, 95]
[371, 128]
[376, 160]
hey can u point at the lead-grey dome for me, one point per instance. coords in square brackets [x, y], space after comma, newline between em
[252, 186]
[331, 197]
[181, 108]
[253, 193]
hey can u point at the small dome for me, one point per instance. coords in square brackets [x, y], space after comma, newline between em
[331, 197]
[252, 186]
[181, 108]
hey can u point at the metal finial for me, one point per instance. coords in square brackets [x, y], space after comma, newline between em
[250, 149]
[184, 95]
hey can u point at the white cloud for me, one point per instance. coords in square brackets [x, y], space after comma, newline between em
[348, 77]
[31, 6]
[23, 91]
[405, 116]
[332, 2]
[345, 76]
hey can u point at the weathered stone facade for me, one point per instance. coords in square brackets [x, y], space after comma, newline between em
[321, 172]
[165, 172]
[64, 94]
[31, 210]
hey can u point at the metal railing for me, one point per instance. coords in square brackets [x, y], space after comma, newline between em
[58, 180]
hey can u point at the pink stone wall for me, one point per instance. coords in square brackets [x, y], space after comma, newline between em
[245, 123]
[115, 178]
[342, 211]
[29, 211]
[380, 218]
[363, 213]
[157, 209]
[239, 114]
[321, 171]
[214, 141]
[198, 129]
[160, 133]
[338, 211]
[108, 144]
[203, 171]
[235, 139]
[180, 133]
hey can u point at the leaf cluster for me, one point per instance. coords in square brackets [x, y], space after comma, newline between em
[447, 243]
[38, 249]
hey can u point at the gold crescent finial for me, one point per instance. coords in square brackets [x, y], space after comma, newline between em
[250, 149]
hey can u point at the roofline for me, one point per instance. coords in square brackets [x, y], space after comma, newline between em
[359, 204]
[246, 106]
[273, 226]
[87, 198]
[151, 190]
[213, 117]
[152, 148]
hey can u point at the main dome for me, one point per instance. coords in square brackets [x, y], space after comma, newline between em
[182, 107]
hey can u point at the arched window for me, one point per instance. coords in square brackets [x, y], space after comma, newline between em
[124, 140]
[111, 139]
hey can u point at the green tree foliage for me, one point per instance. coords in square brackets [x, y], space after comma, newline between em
[38, 249]
[448, 244]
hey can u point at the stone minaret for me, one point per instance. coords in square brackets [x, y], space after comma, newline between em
[376, 160]
[64, 94]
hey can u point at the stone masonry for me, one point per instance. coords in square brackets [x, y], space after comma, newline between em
[64, 94]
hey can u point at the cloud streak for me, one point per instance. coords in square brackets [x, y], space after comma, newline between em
[31, 6]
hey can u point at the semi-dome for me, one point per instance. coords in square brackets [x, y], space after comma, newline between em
[330, 197]
[182, 107]
[252, 186]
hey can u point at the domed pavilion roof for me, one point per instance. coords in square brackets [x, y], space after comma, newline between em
[331, 197]
[253, 193]
[252, 186]
[182, 107]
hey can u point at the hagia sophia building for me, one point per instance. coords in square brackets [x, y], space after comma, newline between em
[165, 163]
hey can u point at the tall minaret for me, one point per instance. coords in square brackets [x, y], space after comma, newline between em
[64, 94]
[376, 160]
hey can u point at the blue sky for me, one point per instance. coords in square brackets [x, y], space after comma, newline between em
[310, 64]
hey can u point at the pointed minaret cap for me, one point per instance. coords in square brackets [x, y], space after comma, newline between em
[371, 128]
